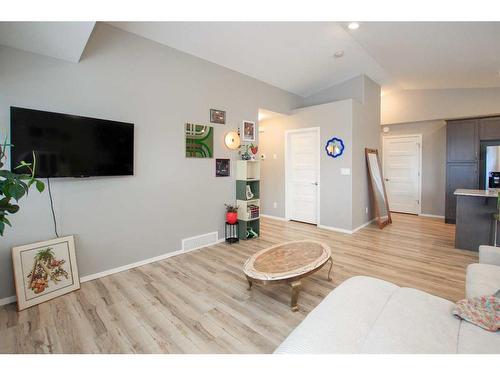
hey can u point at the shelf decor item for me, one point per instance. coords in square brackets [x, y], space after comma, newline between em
[231, 213]
[334, 147]
[44, 270]
[217, 116]
[248, 131]
[199, 141]
[222, 167]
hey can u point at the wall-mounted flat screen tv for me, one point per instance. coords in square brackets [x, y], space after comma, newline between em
[71, 146]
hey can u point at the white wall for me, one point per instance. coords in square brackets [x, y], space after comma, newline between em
[124, 77]
[350, 89]
[409, 106]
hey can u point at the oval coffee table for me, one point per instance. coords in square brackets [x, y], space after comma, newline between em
[287, 263]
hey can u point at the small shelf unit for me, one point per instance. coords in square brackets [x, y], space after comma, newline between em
[248, 179]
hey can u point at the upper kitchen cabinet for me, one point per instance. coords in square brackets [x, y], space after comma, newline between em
[489, 129]
[462, 141]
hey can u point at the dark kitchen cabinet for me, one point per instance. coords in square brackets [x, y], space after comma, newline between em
[462, 161]
[489, 129]
[462, 141]
[459, 176]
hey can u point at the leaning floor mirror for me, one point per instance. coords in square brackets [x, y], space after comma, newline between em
[377, 188]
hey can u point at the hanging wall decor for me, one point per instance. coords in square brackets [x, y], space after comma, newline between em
[44, 270]
[222, 167]
[248, 131]
[334, 147]
[217, 116]
[199, 141]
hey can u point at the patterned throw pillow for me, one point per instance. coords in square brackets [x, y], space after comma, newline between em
[482, 311]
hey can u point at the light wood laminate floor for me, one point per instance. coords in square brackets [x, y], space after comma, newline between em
[199, 302]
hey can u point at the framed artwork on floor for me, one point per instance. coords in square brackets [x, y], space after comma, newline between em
[199, 141]
[248, 131]
[217, 116]
[44, 270]
[222, 167]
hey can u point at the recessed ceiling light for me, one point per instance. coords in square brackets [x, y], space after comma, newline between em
[338, 54]
[353, 26]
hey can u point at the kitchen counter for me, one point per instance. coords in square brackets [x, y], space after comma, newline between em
[475, 224]
[477, 193]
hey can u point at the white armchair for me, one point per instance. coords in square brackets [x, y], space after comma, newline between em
[489, 255]
[483, 278]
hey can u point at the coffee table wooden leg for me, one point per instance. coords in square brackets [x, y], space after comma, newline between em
[249, 284]
[330, 270]
[296, 285]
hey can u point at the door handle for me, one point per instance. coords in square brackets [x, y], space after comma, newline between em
[386, 179]
[314, 183]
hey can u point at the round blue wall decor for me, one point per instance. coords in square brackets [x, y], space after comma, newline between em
[334, 147]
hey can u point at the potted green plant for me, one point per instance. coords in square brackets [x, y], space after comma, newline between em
[14, 186]
[231, 213]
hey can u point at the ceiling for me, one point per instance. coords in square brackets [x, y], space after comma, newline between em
[299, 56]
[62, 40]
[435, 55]
[295, 56]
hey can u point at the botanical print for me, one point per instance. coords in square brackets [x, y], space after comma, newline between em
[248, 131]
[46, 267]
[44, 270]
[199, 141]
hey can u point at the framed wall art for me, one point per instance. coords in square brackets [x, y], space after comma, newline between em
[248, 131]
[44, 270]
[217, 116]
[222, 167]
[199, 141]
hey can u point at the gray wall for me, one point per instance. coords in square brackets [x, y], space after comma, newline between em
[333, 119]
[366, 128]
[424, 105]
[351, 89]
[124, 77]
[433, 161]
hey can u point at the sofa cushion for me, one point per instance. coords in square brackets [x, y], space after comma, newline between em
[414, 322]
[475, 340]
[343, 320]
[482, 280]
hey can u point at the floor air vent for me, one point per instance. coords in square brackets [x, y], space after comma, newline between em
[196, 242]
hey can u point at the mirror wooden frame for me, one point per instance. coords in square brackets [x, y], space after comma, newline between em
[381, 222]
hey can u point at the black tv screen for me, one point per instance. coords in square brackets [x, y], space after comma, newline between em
[71, 146]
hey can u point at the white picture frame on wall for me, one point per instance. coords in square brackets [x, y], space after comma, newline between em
[44, 270]
[248, 131]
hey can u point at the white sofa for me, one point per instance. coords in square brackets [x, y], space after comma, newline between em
[367, 315]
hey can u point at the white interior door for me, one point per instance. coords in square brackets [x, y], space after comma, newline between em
[402, 160]
[302, 175]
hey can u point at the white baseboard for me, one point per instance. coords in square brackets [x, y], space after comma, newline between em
[274, 217]
[346, 231]
[7, 300]
[429, 215]
[335, 229]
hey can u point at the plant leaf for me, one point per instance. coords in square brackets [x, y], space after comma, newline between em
[40, 186]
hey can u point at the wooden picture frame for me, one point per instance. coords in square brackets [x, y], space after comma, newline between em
[44, 270]
[377, 188]
[217, 116]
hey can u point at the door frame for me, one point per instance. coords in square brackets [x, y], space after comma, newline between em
[317, 130]
[419, 136]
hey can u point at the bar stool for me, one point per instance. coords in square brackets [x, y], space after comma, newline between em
[496, 219]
